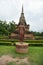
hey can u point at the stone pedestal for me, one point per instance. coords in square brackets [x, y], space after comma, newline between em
[21, 48]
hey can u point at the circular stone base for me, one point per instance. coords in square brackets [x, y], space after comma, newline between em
[21, 48]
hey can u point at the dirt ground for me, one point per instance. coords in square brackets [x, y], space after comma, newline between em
[7, 58]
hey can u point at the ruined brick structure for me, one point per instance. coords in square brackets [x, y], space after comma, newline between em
[22, 22]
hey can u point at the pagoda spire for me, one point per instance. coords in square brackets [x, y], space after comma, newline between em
[22, 20]
[22, 8]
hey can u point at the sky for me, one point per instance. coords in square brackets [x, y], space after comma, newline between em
[33, 11]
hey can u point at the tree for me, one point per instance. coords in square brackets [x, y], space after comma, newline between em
[12, 26]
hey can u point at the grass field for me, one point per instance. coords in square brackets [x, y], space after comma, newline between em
[35, 54]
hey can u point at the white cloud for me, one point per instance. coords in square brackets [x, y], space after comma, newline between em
[33, 9]
[33, 6]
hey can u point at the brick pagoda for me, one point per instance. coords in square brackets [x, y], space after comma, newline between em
[22, 22]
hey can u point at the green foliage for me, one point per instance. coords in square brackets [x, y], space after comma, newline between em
[12, 26]
[3, 37]
[38, 33]
[6, 43]
[39, 37]
[6, 29]
[3, 27]
[34, 41]
[14, 41]
[8, 40]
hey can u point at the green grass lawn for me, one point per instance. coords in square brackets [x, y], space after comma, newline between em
[35, 54]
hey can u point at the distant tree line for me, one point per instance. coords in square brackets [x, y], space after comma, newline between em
[6, 29]
[38, 33]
